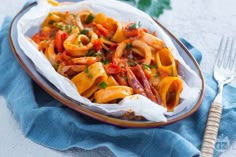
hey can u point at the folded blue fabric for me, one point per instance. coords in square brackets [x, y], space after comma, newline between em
[46, 121]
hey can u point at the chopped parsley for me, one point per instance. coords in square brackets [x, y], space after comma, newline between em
[88, 74]
[61, 27]
[86, 70]
[51, 22]
[157, 74]
[90, 52]
[146, 66]
[68, 28]
[89, 19]
[132, 63]
[103, 85]
[128, 46]
[84, 31]
[69, 31]
[135, 25]
[98, 54]
[105, 62]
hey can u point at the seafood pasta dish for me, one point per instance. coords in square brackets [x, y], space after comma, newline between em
[108, 60]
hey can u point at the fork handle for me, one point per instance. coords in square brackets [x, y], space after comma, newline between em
[211, 130]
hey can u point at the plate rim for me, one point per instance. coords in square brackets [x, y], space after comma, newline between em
[79, 107]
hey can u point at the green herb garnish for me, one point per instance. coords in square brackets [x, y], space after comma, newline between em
[86, 70]
[88, 74]
[90, 52]
[103, 85]
[146, 66]
[157, 75]
[135, 25]
[128, 46]
[98, 54]
[69, 31]
[84, 31]
[106, 62]
[51, 22]
[131, 63]
[89, 18]
[61, 27]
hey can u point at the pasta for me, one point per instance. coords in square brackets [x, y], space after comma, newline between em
[108, 60]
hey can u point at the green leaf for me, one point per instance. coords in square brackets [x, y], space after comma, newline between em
[89, 19]
[105, 62]
[146, 66]
[128, 46]
[84, 31]
[51, 22]
[152, 7]
[135, 26]
[103, 85]
[144, 4]
[88, 74]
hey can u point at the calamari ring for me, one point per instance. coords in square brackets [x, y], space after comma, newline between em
[136, 44]
[112, 93]
[119, 34]
[77, 49]
[166, 63]
[170, 89]
[153, 41]
[50, 53]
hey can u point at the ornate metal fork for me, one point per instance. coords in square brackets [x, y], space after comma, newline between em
[224, 72]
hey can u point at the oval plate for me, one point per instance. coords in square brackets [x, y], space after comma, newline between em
[77, 106]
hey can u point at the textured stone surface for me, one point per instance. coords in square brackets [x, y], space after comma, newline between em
[201, 22]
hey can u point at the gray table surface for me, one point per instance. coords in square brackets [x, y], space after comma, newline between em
[201, 22]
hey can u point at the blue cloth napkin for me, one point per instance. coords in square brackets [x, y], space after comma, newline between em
[46, 121]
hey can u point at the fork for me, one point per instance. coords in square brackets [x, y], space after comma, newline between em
[224, 70]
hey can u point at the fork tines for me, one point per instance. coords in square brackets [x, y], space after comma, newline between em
[227, 50]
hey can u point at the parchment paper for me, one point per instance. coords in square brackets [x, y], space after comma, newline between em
[30, 23]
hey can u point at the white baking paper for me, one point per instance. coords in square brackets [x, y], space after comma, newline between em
[30, 23]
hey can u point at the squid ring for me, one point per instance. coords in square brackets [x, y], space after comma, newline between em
[153, 41]
[170, 89]
[136, 44]
[77, 49]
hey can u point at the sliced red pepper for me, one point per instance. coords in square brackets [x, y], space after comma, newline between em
[132, 32]
[97, 44]
[102, 30]
[59, 40]
[36, 38]
[60, 57]
[112, 68]
[41, 36]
